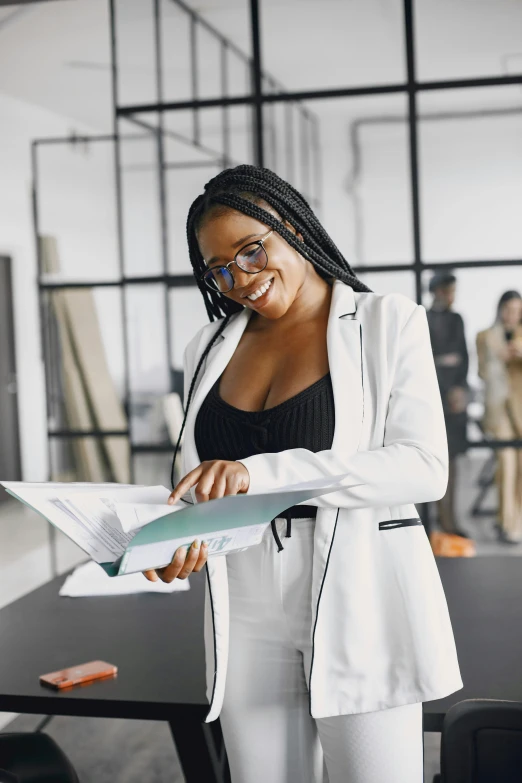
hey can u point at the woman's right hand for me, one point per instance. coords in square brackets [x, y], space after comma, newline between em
[183, 563]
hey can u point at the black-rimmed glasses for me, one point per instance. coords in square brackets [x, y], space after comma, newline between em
[251, 258]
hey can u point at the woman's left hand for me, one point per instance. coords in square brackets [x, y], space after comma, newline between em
[213, 479]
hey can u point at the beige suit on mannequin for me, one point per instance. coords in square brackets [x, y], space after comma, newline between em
[503, 419]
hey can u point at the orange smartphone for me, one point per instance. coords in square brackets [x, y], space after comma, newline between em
[79, 675]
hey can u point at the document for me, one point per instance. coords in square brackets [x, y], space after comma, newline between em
[89, 579]
[126, 528]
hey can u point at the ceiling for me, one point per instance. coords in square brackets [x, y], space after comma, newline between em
[57, 54]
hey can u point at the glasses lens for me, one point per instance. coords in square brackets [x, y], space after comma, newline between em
[253, 258]
[219, 279]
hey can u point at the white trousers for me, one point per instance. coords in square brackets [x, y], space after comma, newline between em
[269, 734]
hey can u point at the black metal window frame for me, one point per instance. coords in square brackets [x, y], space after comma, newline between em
[260, 101]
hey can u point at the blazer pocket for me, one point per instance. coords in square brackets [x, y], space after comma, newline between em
[391, 524]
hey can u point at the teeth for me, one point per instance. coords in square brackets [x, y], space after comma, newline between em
[259, 292]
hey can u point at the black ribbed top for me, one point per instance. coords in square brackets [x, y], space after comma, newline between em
[305, 420]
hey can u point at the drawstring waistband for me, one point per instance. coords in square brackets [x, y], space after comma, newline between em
[294, 512]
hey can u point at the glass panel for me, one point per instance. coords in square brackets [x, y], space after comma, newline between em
[466, 40]
[471, 174]
[85, 382]
[310, 45]
[140, 195]
[215, 29]
[70, 348]
[351, 158]
[241, 135]
[136, 56]
[175, 50]
[477, 293]
[149, 374]
[390, 282]
[183, 186]
[188, 316]
[153, 469]
[209, 64]
[196, 135]
[231, 22]
[477, 499]
[77, 210]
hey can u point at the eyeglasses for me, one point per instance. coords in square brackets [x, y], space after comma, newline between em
[251, 258]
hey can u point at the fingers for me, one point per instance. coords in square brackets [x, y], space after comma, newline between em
[185, 484]
[215, 485]
[213, 479]
[183, 563]
[202, 559]
[151, 575]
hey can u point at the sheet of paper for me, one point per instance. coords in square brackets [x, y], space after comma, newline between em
[89, 579]
[97, 512]
[101, 507]
[44, 498]
[134, 516]
[97, 516]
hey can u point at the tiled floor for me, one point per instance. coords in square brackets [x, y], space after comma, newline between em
[25, 561]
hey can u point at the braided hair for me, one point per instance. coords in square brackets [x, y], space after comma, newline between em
[250, 190]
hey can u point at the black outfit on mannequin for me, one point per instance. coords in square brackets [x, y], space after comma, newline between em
[305, 421]
[447, 337]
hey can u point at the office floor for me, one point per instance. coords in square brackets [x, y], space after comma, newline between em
[131, 751]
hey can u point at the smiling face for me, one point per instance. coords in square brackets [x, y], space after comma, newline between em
[287, 277]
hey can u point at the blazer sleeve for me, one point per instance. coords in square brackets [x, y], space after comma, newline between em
[412, 464]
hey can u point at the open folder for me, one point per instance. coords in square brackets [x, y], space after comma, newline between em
[126, 528]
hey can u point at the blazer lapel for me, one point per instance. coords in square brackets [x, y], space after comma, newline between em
[217, 359]
[344, 342]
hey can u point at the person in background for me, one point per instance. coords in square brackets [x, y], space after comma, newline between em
[499, 350]
[451, 363]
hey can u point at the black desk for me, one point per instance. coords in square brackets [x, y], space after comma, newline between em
[157, 643]
[156, 640]
[484, 597]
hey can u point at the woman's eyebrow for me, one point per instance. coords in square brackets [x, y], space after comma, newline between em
[235, 244]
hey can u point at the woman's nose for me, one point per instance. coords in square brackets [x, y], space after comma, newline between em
[242, 280]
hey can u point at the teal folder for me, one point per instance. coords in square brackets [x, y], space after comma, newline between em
[200, 519]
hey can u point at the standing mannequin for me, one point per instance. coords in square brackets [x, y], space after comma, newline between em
[499, 350]
[451, 363]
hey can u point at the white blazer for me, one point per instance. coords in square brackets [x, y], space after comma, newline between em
[381, 631]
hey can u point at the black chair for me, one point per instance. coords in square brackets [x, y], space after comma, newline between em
[481, 742]
[33, 758]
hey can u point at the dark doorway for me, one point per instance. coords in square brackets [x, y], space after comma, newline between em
[10, 469]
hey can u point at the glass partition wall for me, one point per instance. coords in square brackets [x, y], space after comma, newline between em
[410, 160]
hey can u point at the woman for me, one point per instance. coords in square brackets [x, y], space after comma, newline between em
[330, 644]
[499, 351]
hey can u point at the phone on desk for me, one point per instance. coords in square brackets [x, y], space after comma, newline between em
[82, 674]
